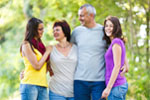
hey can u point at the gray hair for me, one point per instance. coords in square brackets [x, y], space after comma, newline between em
[90, 9]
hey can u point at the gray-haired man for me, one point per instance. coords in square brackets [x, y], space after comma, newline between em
[89, 81]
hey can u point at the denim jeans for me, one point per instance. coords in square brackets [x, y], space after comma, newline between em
[54, 96]
[87, 90]
[118, 92]
[33, 92]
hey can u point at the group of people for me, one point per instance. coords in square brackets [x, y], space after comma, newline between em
[87, 65]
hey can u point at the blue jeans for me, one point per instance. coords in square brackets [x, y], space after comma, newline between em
[118, 92]
[87, 90]
[54, 96]
[33, 92]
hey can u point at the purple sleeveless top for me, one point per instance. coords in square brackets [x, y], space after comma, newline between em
[110, 64]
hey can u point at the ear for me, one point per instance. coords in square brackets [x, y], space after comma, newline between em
[92, 15]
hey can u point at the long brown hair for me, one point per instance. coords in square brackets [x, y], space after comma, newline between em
[117, 31]
[32, 31]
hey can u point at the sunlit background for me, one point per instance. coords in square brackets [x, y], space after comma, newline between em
[134, 16]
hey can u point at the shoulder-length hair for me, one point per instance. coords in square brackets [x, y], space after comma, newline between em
[65, 27]
[117, 31]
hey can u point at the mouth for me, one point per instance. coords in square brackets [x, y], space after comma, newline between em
[109, 31]
[55, 35]
[81, 21]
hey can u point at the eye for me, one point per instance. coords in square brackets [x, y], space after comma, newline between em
[57, 30]
[111, 25]
[40, 29]
[106, 25]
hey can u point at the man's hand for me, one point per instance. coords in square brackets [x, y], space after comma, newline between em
[123, 70]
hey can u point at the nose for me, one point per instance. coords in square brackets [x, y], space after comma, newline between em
[54, 32]
[79, 18]
[107, 27]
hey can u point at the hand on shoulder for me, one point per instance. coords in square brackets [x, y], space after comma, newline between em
[49, 48]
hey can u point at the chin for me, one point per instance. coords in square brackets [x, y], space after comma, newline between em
[56, 39]
[82, 23]
[108, 35]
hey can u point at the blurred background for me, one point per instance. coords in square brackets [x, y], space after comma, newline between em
[134, 16]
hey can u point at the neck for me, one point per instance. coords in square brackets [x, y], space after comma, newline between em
[63, 43]
[36, 38]
[111, 38]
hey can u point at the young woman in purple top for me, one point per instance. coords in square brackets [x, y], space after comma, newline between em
[115, 58]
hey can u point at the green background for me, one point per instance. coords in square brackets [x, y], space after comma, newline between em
[134, 16]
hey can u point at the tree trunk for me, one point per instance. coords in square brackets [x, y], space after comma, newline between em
[28, 9]
[131, 30]
[148, 34]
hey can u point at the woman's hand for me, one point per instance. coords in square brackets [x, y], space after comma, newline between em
[48, 49]
[49, 69]
[51, 72]
[31, 56]
[106, 93]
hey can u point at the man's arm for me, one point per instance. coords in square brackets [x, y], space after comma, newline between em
[72, 40]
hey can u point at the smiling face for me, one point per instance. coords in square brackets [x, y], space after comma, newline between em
[58, 33]
[84, 17]
[40, 29]
[109, 28]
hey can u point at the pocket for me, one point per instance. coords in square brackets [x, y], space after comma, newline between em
[123, 88]
[27, 88]
[116, 93]
[22, 88]
[120, 91]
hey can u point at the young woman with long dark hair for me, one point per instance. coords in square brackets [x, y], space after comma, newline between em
[115, 58]
[34, 53]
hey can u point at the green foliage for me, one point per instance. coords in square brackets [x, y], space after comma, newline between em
[15, 13]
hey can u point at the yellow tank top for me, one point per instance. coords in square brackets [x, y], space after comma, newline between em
[32, 76]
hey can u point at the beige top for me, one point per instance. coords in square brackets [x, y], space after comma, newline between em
[63, 68]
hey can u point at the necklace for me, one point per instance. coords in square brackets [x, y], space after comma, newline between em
[64, 47]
